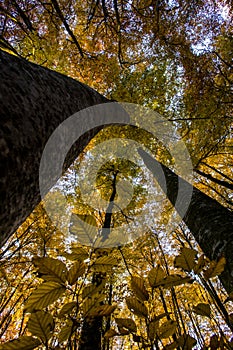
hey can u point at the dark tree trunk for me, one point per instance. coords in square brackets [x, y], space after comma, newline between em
[91, 337]
[34, 101]
[209, 221]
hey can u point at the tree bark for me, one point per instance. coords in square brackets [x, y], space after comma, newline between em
[210, 223]
[91, 333]
[34, 102]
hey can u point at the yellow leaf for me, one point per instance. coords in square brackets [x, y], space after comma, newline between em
[76, 271]
[138, 286]
[200, 264]
[41, 324]
[91, 289]
[91, 303]
[214, 342]
[152, 329]
[44, 295]
[22, 343]
[84, 228]
[173, 280]
[156, 275]
[186, 259]
[215, 268]
[102, 310]
[167, 329]
[110, 333]
[105, 263]
[66, 331]
[202, 309]
[126, 323]
[67, 308]
[186, 342]
[137, 307]
[51, 269]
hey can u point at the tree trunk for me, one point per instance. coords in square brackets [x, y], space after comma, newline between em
[91, 337]
[210, 223]
[34, 102]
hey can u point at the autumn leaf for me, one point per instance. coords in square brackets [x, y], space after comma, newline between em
[91, 289]
[137, 307]
[202, 309]
[110, 333]
[173, 280]
[186, 259]
[126, 323]
[66, 309]
[66, 331]
[139, 289]
[76, 271]
[153, 329]
[22, 343]
[201, 263]
[215, 268]
[91, 303]
[41, 324]
[167, 329]
[51, 269]
[44, 295]
[104, 263]
[186, 342]
[102, 310]
[84, 227]
[156, 275]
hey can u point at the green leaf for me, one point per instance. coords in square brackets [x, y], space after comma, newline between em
[22, 343]
[139, 289]
[186, 259]
[44, 295]
[41, 324]
[51, 269]
[167, 329]
[215, 268]
[156, 275]
[126, 323]
[84, 228]
[76, 271]
[137, 307]
[66, 309]
[202, 309]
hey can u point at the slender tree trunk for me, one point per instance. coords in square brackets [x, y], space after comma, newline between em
[214, 179]
[91, 337]
[34, 101]
[209, 221]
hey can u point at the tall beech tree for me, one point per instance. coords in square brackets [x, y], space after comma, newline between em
[34, 101]
[210, 222]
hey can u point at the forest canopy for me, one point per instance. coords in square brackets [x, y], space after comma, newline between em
[159, 290]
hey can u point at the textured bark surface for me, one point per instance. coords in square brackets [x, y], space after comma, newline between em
[210, 223]
[33, 102]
